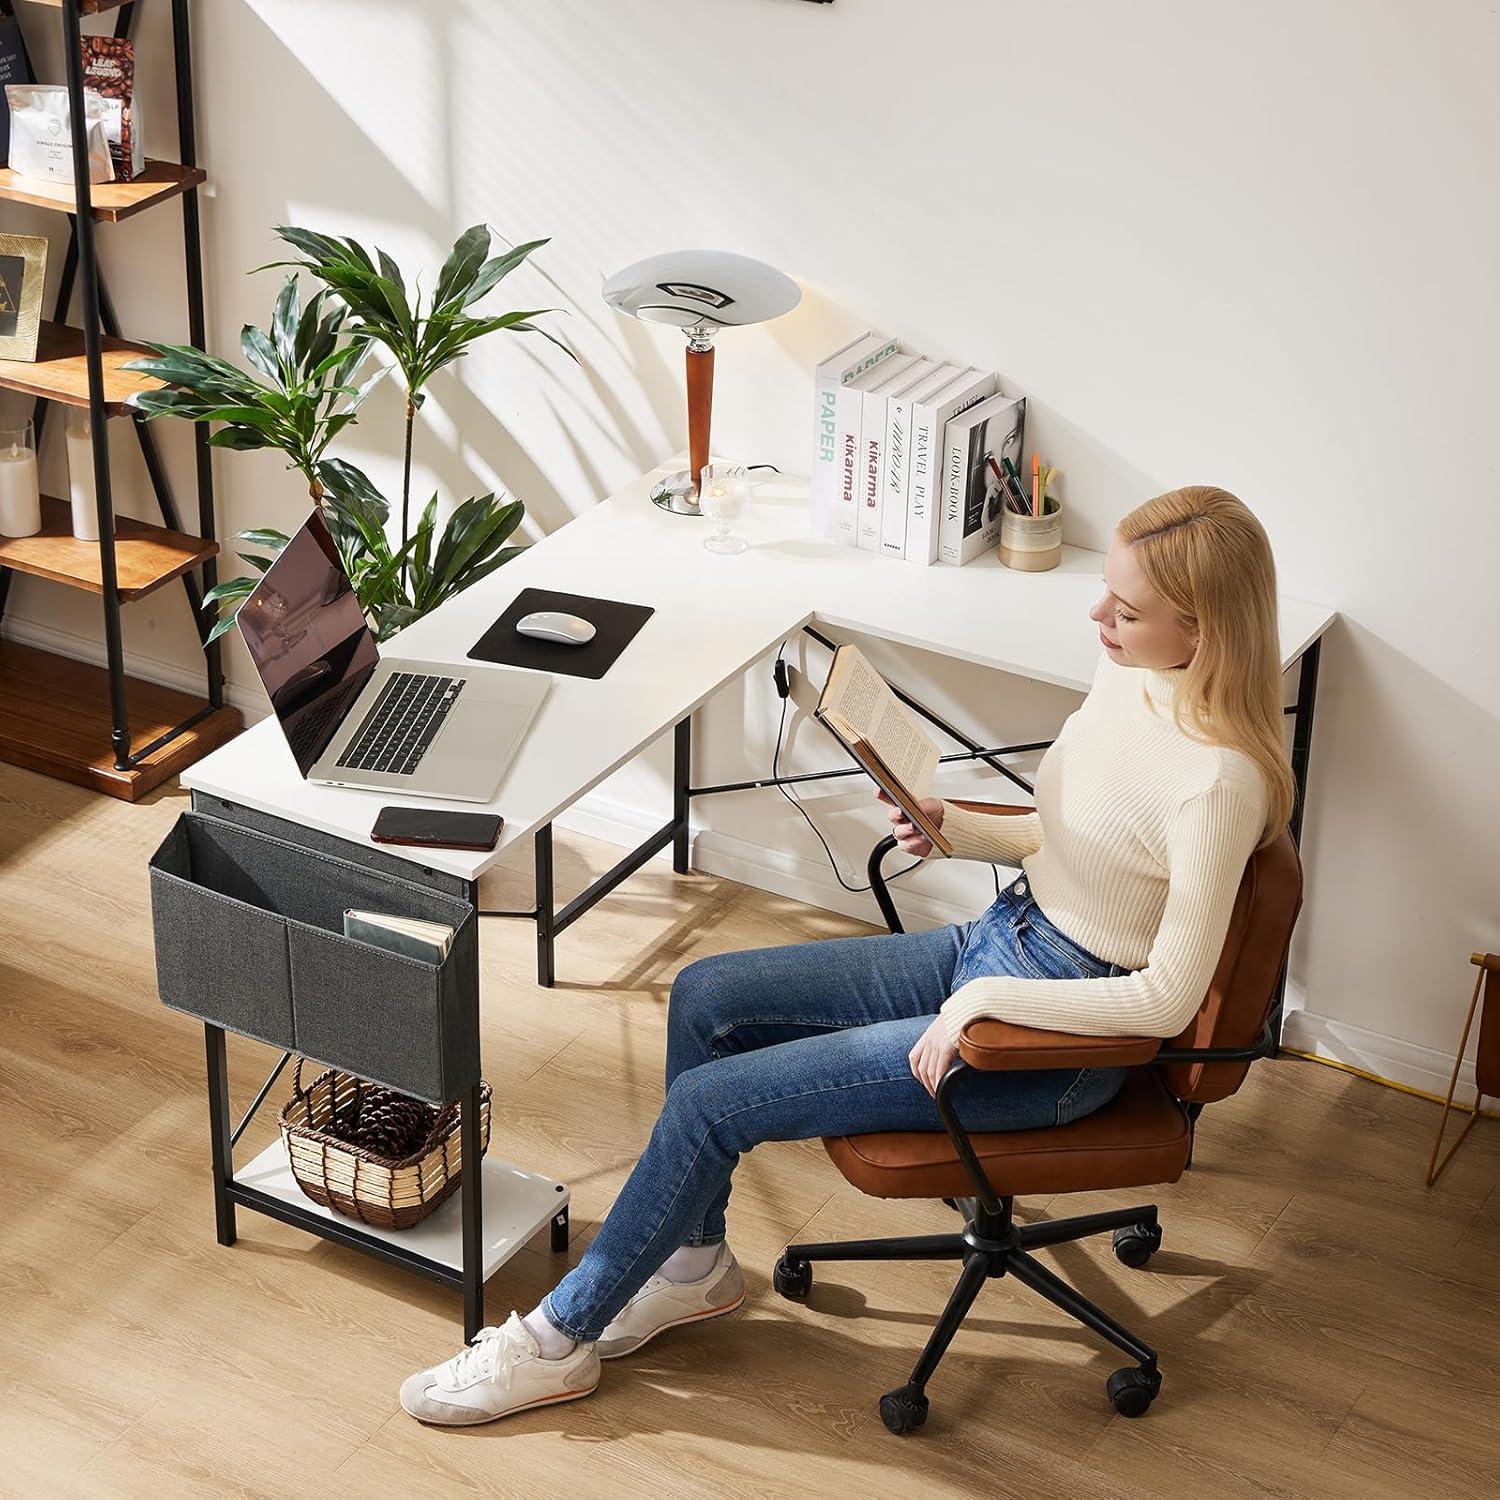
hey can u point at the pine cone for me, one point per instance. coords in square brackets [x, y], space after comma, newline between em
[390, 1123]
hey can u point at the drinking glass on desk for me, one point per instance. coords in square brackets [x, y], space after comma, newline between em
[722, 493]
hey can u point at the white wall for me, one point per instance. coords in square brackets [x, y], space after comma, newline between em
[1253, 245]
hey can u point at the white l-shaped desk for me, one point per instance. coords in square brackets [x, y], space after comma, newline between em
[714, 617]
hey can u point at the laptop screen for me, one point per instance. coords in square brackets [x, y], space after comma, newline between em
[309, 641]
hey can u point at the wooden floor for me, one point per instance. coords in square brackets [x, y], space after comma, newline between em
[1326, 1325]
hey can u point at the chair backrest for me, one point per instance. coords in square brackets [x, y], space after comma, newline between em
[1243, 989]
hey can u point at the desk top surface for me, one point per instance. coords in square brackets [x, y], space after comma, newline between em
[714, 617]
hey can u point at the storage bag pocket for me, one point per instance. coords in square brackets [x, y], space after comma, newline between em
[249, 936]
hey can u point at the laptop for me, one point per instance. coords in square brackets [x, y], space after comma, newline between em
[353, 717]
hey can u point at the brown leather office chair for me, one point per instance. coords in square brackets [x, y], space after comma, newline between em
[1141, 1137]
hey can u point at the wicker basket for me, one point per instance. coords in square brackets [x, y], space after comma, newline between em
[362, 1184]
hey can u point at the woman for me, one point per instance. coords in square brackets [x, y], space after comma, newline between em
[1148, 804]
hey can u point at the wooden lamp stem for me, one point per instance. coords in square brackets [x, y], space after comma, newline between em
[700, 398]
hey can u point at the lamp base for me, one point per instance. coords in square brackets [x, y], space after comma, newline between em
[677, 493]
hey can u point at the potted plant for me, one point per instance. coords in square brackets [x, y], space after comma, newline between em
[306, 384]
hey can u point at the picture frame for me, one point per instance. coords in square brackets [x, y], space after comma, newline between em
[23, 275]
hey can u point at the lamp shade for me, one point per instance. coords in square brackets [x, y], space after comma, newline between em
[702, 289]
[700, 292]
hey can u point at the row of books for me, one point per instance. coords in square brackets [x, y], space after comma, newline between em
[908, 452]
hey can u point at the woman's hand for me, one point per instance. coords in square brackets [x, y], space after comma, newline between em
[932, 1056]
[911, 838]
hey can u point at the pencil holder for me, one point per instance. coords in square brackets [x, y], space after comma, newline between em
[1032, 544]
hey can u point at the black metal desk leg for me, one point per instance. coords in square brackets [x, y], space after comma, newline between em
[546, 968]
[218, 1130]
[682, 771]
[1302, 726]
[472, 1204]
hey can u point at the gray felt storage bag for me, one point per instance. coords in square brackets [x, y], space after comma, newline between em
[249, 936]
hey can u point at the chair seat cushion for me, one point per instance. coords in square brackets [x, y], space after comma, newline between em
[1139, 1138]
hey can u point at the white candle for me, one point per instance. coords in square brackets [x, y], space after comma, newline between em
[20, 498]
[81, 488]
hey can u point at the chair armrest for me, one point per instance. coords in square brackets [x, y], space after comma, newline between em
[1008, 809]
[1263, 1046]
[997, 1045]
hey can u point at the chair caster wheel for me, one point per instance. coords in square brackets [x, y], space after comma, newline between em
[1136, 1244]
[792, 1278]
[903, 1410]
[1132, 1390]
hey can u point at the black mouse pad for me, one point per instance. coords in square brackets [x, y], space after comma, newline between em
[615, 626]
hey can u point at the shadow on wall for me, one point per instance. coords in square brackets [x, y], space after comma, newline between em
[468, 443]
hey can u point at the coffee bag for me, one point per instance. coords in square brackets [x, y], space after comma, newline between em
[109, 69]
[41, 138]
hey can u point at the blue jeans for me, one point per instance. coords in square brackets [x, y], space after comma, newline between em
[811, 1039]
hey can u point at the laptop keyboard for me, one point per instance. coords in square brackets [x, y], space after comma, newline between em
[405, 720]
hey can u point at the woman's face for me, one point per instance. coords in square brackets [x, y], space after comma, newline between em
[1136, 626]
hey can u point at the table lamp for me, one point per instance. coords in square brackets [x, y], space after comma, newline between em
[700, 292]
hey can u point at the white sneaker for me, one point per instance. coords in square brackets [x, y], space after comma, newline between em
[662, 1304]
[500, 1373]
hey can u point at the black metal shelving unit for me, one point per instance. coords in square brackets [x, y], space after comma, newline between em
[151, 732]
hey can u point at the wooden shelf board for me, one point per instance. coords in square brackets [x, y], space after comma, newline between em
[54, 718]
[112, 201]
[60, 371]
[146, 556]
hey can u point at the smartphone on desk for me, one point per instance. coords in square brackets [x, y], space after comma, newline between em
[432, 828]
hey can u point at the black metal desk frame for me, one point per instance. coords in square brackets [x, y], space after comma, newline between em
[230, 1194]
[550, 922]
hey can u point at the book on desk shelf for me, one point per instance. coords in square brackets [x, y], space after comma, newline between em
[893, 459]
[930, 419]
[976, 444]
[428, 941]
[829, 379]
[837, 467]
[896, 512]
[877, 402]
[860, 711]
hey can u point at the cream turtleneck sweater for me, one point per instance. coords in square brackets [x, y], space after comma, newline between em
[1135, 851]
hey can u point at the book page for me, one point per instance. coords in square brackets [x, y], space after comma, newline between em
[870, 711]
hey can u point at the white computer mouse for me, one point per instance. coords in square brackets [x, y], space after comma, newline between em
[553, 625]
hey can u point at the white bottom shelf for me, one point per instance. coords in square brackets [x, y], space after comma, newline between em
[516, 1205]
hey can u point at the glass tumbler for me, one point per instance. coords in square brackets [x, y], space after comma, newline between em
[722, 493]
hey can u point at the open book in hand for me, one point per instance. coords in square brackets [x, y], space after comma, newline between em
[859, 709]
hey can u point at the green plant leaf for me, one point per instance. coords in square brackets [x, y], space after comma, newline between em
[263, 536]
[284, 321]
[258, 350]
[494, 271]
[348, 482]
[222, 626]
[231, 588]
[462, 265]
[241, 439]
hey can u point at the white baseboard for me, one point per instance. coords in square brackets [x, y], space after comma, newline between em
[1387, 1057]
[147, 668]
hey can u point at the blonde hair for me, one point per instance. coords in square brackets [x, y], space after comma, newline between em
[1209, 560]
